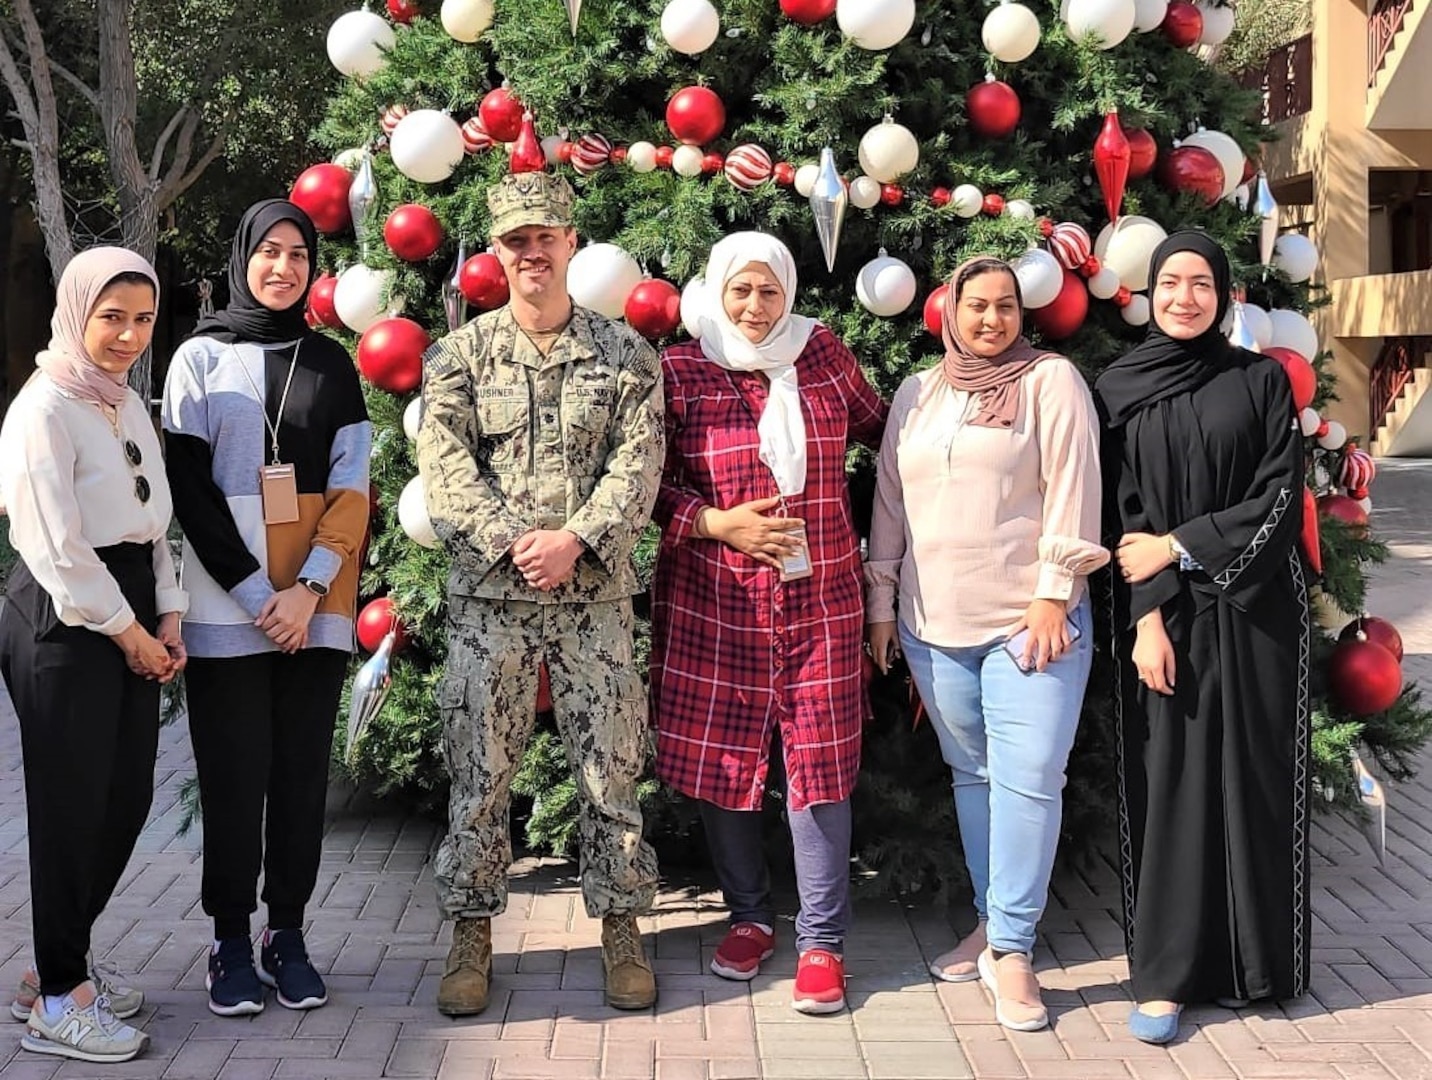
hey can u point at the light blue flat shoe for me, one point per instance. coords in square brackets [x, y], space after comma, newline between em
[1154, 1029]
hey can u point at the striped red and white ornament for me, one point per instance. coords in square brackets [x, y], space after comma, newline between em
[748, 166]
[392, 115]
[590, 153]
[475, 138]
[1070, 244]
[1358, 469]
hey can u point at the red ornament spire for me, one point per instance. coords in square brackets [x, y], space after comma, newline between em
[1112, 154]
[527, 155]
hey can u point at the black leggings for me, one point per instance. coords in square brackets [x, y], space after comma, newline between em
[89, 729]
[262, 729]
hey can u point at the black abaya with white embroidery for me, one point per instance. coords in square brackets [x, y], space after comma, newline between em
[1213, 780]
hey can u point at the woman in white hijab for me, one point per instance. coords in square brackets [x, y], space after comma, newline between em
[756, 604]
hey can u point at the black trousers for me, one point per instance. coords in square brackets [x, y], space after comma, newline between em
[89, 730]
[262, 729]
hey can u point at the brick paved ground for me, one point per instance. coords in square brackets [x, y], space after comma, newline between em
[377, 935]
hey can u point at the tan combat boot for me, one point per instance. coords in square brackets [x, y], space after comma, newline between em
[468, 972]
[630, 983]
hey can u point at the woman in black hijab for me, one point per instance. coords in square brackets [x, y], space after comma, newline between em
[267, 439]
[1203, 480]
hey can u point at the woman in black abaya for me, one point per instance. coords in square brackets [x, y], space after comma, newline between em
[1203, 482]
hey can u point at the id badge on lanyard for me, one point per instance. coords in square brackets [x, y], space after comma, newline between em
[278, 487]
[796, 565]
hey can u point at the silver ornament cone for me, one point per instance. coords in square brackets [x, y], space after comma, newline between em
[363, 201]
[828, 200]
[1241, 336]
[454, 303]
[370, 690]
[1266, 207]
[574, 12]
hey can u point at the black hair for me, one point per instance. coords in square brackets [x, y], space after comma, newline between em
[987, 265]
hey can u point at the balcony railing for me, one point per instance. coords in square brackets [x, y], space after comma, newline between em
[1399, 358]
[1383, 22]
[1286, 80]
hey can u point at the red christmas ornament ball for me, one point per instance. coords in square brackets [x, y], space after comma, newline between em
[993, 109]
[320, 302]
[935, 310]
[784, 173]
[1123, 297]
[663, 157]
[483, 281]
[413, 232]
[402, 11]
[1182, 24]
[1192, 170]
[1143, 153]
[1301, 376]
[993, 204]
[375, 620]
[940, 196]
[1345, 510]
[619, 154]
[892, 194]
[712, 163]
[1363, 677]
[653, 308]
[696, 115]
[390, 354]
[1062, 317]
[808, 12]
[1378, 631]
[501, 114]
[321, 192]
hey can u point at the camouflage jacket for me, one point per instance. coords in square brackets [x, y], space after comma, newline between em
[512, 441]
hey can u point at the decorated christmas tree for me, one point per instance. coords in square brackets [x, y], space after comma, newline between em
[884, 141]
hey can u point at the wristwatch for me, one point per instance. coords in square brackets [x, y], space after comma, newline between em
[313, 585]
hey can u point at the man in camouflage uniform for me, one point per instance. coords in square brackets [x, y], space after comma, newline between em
[541, 449]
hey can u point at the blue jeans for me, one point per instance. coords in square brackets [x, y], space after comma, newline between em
[1006, 737]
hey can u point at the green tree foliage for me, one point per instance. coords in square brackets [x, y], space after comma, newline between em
[795, 90]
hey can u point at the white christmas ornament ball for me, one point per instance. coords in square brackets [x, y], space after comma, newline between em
[690, 26]
[888, 151]
[413, 514]
[1296, 256]
[1149, 14]
[1292, 331]
[641, 157]
[1137, 311]
[1259, 325]
[967, 200]
[358, 42]
[1217, 23]
[552, 149]
[686, 160]
[690, 295]
[1127, 247]
[601, 276]
[1366, 505]
[806, 177]
[358, 298]
[413, 418]
[1020, 209]
[1229, 154]
[1309, 421]
[1104, 284]
[465, 20]
[885, 285]
[1110, 20]
[1335, 437]
[426, 146]
[864, 192]
[1040, 277]
[1010, 33]
[875, 24]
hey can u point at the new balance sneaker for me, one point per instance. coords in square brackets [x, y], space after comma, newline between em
[233, 984]
[84, 1033]
[741, 951]
[284, 965]
[820, 983]
[124, 1001]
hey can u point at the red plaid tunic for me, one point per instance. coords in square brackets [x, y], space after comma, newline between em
[734, 651]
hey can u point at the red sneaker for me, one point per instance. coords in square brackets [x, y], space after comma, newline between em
[741, 951]
[820, 982]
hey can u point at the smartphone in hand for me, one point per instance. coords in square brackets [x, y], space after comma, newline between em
[1016, 645]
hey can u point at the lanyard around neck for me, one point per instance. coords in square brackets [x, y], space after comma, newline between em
[273, 425]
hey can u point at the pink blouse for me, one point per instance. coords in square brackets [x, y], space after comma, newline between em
[972, 523]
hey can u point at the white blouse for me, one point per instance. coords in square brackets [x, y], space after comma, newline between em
[69, 489]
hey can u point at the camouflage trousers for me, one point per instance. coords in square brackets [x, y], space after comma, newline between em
[488, 702]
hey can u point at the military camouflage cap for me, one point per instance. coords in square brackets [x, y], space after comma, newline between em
[533, 198]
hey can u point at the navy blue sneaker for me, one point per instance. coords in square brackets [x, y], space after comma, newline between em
[233, 984]
[284, 965]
